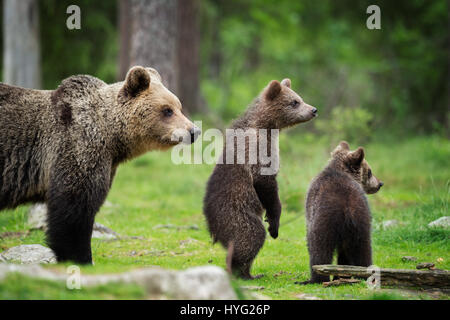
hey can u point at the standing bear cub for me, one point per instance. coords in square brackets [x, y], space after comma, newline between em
[337, 213]
[239, 191]
[63, 147]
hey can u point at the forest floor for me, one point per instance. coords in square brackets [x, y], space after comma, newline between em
[151, 191]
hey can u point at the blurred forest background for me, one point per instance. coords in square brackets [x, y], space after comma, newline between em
[216, 55]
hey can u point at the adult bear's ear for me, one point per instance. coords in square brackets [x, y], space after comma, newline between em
[136, 81]
[273, 90]
[355, 158]
[286, 82]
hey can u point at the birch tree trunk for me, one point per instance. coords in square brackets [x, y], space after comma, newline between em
[21, 56]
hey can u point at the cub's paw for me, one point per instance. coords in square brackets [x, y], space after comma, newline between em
[273, 230]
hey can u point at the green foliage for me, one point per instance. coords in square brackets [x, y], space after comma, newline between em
[92, 50]
[399, 73]
[351, 124]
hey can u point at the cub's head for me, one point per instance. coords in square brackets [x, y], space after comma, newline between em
[284, 106]
[353, 162]
[153, 113]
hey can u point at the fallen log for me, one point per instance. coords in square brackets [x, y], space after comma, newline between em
[391, 277]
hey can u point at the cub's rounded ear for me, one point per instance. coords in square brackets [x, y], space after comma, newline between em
[344, 145]
[286, 82]
[355, 158]
[137, 80]
[273, 90]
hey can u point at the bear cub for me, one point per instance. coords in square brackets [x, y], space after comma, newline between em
[337, 212]
[238, 193]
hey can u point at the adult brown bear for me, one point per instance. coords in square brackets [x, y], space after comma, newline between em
[63, 147]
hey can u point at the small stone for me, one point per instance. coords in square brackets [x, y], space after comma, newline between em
[304, 296]
[37, 216]
[389, 224]
[442, 222]
[102, 232]
[29, 254]
[409, 258]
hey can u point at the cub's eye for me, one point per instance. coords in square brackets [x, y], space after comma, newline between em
[294, 103]
[167, 112]
[369, 174]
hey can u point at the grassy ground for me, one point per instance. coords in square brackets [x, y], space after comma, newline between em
[151, 191]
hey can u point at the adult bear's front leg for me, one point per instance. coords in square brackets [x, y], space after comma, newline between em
[74, 198]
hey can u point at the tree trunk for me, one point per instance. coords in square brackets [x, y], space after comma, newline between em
[396, 277]
[188, 43]
[153, 37]
[125, 35]
[21, 57]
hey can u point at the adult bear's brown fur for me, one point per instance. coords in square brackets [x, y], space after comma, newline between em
[237, 194]
[63, 146]
[337, 213]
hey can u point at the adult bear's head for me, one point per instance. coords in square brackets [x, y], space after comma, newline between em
[152, 113]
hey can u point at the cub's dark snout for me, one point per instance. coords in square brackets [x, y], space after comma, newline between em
[314, 111]
[195, 132]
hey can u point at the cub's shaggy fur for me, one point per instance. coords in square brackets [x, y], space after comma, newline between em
[337, 213]
[63, 146]
[237, 194]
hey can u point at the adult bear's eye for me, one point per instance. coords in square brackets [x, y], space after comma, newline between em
[369, 174]
[167, 112]
[294, 103]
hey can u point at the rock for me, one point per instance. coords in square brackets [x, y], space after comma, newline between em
[409, 258]
[389, 224]
[29, 254]
[304, 296]
[442, 222]
[102, 232]
[199, 283]
[37, 216]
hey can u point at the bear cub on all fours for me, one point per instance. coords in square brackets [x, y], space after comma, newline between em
[337, 212]
[237, 194]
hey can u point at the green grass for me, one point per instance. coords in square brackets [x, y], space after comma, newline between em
[150, 191]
